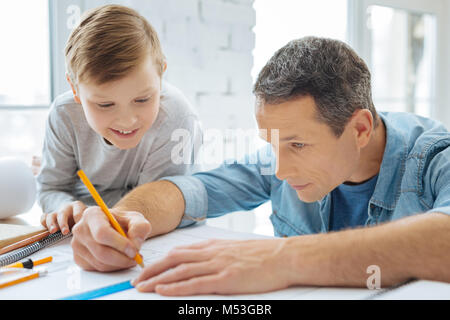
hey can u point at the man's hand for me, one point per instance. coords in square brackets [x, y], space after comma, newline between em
[65, 218]
[98, 246]
[219, 267]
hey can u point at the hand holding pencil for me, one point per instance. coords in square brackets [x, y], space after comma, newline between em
[104, 208]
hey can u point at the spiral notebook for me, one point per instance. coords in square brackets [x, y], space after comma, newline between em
[19, 254]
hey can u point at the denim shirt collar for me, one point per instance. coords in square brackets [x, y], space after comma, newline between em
[387, 189]
[388, 186]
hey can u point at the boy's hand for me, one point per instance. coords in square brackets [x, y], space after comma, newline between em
[98, 246]
[36, 165]
[65, 218]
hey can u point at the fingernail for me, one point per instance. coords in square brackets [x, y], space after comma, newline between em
[133, 282]
[140, 286]
[129, 251]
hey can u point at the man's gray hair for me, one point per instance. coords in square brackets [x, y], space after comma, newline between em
[326, 69]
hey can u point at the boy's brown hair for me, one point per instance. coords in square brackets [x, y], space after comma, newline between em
[109, 43]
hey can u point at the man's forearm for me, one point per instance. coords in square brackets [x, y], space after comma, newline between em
[413, 247]
[161, 203]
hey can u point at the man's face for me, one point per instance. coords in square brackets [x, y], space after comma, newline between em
[122, 111]
[309, 156]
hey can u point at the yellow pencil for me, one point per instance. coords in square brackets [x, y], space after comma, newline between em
[23, 279]
[102, 205]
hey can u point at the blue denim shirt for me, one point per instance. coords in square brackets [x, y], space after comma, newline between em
[414, 178]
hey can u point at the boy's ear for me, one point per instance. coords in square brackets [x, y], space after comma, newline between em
[75, 95]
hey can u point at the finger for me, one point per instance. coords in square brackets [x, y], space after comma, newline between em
[202, 285]
[201, 244]
[138, 228]
[51, 223]
[81, 255]
[36, 161]
[172, 259]
[104, 234]
[43, 220]
[100, 259]
[177, 274]
[78, 210]
[63, 218]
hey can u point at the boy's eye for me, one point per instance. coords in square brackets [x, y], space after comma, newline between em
[106, 105]
[142, 100]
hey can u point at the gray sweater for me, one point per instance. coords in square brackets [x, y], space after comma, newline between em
[70, 145]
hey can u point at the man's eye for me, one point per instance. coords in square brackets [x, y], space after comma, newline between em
[298, 145]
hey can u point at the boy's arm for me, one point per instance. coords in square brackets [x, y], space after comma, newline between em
[58, 167]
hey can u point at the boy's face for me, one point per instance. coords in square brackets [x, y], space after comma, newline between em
[122, 111]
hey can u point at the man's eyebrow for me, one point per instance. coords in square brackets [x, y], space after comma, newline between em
[294, 137]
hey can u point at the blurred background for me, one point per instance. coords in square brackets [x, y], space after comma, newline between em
[215, 49]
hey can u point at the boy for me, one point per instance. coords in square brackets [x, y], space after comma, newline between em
[117, 122]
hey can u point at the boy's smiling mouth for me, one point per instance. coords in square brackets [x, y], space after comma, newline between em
[124, 133]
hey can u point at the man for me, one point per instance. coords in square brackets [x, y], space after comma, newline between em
[347, 195]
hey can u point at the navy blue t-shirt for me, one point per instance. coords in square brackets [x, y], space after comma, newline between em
[350, 204]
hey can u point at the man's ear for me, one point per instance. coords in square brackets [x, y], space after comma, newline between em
[75, 95]
[363, 126]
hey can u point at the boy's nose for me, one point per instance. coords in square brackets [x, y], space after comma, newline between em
[126, 120]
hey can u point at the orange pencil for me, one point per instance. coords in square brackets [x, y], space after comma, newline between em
[102, 205]
[23, 279]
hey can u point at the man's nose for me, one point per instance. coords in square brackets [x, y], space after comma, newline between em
[285, 167]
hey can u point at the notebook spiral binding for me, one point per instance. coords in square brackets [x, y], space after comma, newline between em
[21, 253]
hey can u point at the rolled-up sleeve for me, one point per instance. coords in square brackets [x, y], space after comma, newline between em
[195, 198]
